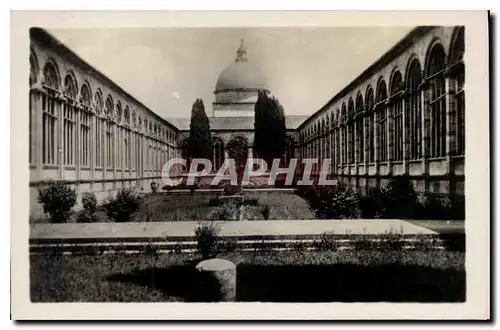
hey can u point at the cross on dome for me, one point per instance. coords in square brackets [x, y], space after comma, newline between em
[241, 53]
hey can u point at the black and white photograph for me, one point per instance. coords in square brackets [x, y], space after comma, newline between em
[207, 165]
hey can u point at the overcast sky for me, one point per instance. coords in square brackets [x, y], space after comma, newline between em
[167, 69]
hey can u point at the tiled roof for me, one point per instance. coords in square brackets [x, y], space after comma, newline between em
[235, 123]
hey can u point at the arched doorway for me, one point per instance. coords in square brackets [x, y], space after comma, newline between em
[237, 149]
[218, 153]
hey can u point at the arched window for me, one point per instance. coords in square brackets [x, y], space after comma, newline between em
[118, 112]
[351, 131]
[338, 144]
[69, 121]
[397, 116]
[98, 130]
[126, 115]
[414, 110]
[326, 153]
[323, 141]
[85, 95]
[435, 68]
[32, 111]
[50, 115]
[360, 145]
[382, 121]
[343, 122]
[85, 117]
[109, 133]
[458, 76]
[218, 153]
[51, 76]
[370, 124]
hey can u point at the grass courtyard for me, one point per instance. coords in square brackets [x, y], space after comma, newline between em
[185, 207]
[293, 276]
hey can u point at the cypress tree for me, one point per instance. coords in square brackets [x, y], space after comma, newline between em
[200, 139]
[270, 128]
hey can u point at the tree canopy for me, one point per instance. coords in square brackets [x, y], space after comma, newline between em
[270, 128]
[200, 139]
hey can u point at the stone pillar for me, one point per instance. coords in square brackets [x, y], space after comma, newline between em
[406, 142]
[423, 88]
[376, 146]
[216, 281]
[37, 112]
[114, 160]
[366, 142]
[60, 135]
[390, 134]
[451, 131]
[76, 145]
[92, 146]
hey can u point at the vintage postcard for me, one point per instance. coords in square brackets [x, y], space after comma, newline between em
[250, 165]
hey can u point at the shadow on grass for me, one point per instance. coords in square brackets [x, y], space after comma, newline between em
[175, 281]
[316, 283]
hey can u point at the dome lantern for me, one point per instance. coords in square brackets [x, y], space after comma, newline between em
[241, 53]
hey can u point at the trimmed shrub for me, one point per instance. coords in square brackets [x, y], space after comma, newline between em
[396, 200]
[89, 203]
[231, 190]
[266, 210]
[154, 187]
[438, 208]
[121, 208]
[331, 202]
[225, 212]
[327, 242]
[57, 199]
[207, 239]
[400, 199]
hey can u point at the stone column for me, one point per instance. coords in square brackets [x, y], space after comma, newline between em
[406, 142]
[37, 112]
[366, 142]
[92, 146]
[60, 134]
[77, 146]
[390, 134]
[376, 146]
[114, 137]
[423, 88]
[451, 131]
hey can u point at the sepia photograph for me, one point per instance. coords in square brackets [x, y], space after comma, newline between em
[256, 163]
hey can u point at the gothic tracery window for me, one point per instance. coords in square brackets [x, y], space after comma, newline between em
[85, 118]
[360, 139]
[218, 153]
[382, 123]
[414, 111]
[458, 75]
[370, 123]
[351, 132]
[397, 118]
[436, 66]
[50, 115]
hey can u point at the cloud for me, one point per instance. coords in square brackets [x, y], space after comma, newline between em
[176, 95]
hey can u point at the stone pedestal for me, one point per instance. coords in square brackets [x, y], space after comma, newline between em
[216, 280]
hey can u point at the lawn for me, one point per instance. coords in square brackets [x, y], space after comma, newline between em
[184, 207]
[293, 276]
[164, 207]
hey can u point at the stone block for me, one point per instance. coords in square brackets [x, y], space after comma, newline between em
[216, 280]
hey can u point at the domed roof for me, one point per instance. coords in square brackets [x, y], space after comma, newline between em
[241, 74]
